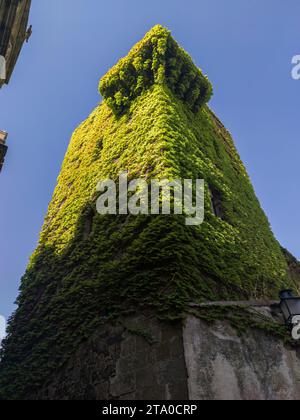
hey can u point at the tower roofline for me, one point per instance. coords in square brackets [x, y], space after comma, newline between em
[157, 58]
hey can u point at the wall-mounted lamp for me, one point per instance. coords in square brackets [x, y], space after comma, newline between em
[289, 305]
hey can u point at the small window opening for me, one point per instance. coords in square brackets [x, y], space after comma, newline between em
[88, 225]
[216, 203]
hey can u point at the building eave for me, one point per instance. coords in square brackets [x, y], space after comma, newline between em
[14, 16]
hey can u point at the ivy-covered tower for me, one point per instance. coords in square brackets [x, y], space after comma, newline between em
[88, 269]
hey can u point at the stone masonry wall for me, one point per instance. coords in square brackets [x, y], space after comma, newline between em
[224, 366]
[151, 360]
[116, 364]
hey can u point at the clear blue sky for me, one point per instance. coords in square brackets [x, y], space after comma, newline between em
[244, 46]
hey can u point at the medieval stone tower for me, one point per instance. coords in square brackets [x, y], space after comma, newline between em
[115, 307]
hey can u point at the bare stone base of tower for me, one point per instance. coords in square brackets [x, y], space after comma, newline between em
[152, 360]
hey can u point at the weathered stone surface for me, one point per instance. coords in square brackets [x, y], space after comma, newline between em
[192, 360]
[223, 366]
[116, 364]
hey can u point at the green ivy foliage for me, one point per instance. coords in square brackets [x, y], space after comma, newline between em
[90, 268]
[156, 59]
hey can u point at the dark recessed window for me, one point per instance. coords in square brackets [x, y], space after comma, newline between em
[88, 225]
[216, 202]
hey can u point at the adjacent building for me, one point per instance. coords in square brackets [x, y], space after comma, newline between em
[3, 147]
[14, 31]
